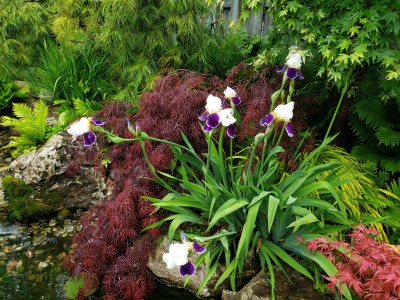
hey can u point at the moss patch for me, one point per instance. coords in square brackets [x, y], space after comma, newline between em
[26, 205]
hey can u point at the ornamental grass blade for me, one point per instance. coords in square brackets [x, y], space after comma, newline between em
[288, 259]
[229, 269]
[310, 218]
[178, 220]
[273, 204]
[226, 209]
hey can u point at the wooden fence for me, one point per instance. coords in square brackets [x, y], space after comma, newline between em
[257, 24]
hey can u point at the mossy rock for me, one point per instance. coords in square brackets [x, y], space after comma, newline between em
[26, 205]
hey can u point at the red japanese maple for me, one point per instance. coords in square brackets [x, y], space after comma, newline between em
[370, 268]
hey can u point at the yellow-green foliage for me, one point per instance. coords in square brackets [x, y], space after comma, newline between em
[30, 124]
[23, 25]
[363, 198]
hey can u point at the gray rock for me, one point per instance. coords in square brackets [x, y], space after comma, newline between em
[300, 288]
[171, 277]
[45, 170]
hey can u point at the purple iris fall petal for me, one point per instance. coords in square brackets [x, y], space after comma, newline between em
[187, 269]
[203, 116]
[231, 131]
[236, 100]
[291, 73]
[267, 120]
[280, 69]
[212, 120]
[97, 122]
[301, 77]
[206, 128]
[289, 129]
[199, 249]
[89, 138]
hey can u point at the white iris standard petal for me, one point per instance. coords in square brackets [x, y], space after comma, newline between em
[214, 104]
[294, 60]
[226, 117]
[284, 112]
[229, 93]
[80, 127]
[180, 253]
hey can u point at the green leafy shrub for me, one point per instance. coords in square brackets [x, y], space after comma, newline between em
[31, 126]
[354, 47]
[23, 205]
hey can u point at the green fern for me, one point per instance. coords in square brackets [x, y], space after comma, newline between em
[30, 124]
[375, 119]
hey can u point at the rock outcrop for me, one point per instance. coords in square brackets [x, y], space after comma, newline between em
[45, 170]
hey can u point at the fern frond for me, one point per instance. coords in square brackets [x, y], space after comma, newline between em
[67, 116]
[22, 111]
[40, 112]
[388, 137]
[373, 113]
[391, 164]
[85, 108]
[364, 153]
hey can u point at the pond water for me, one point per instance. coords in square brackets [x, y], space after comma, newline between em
[31, 262]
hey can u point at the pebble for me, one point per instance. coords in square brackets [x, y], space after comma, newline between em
[43, 265]
[52, 223]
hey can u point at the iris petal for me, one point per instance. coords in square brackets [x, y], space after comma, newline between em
[89, 138]
[198, 248]
[231, 131]
[203, 116]
[236, 100]
[183, 237]
[280, 69]
[212, 120]
[289, 129]
[206, 128]
[97, 122]
[291, 73]
[187, 269]
[267, 120]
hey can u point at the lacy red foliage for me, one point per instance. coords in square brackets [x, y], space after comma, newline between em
[111, 244]
[370, 268]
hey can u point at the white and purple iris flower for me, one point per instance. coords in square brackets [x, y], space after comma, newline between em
[282, 113]
[84, 127]
[214, 115]
[230, 94]
[292, 66]
[178, 256]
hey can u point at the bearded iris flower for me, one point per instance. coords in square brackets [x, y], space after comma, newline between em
[178, 256]
[215, 114]
[84, 127]
[292, 65]
[230, 94]
[282, 113]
